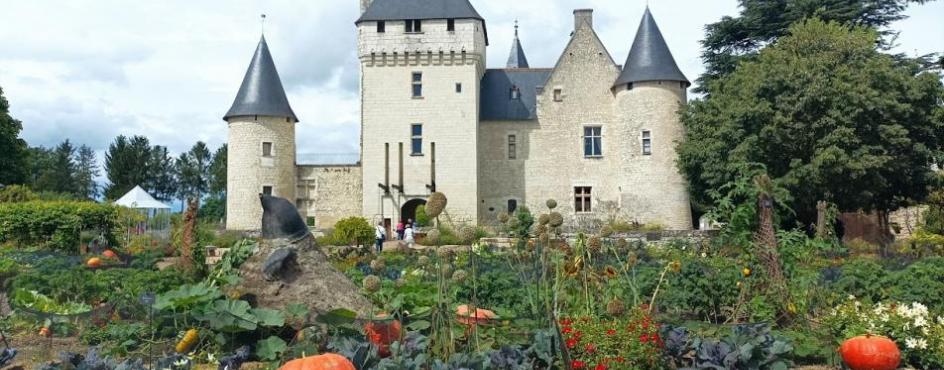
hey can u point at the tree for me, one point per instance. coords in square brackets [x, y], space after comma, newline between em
[126, 165]
[829, 117]
[761, 22]
[59, 167]
[218, 172]
[162, 174]
[194, 171]
[13, 149]
[86, 170]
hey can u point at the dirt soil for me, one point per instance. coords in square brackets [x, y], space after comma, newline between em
[33, 350]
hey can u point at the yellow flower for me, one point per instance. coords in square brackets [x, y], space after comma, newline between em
[746, 271]
[676, 266]
[791, 308]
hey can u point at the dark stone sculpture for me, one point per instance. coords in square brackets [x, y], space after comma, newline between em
[280, 219]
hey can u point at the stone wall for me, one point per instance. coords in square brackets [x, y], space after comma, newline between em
[248, 171]
[329, 193]
[449, 117]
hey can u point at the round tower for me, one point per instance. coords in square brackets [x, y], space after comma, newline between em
[261, 144]
[649, 92]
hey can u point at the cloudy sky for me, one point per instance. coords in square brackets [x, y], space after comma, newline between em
[91, 70]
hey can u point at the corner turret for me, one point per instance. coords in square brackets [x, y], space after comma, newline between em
[516, 58]
[649, 59]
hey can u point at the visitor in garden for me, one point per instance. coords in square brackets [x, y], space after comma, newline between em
[380, 234]
[400, 228]
[408, 237]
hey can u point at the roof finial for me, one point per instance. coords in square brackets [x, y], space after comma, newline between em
[262, 23]
[516, 28]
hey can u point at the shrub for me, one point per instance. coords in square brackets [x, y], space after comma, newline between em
[862, 278]
[922, 281]
[16, 194]
[707, 287]
[353, 230]
[55, 225]
[421, 218]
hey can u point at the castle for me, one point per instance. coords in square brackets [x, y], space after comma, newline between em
[597, 137]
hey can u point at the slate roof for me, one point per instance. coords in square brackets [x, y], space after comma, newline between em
[649, 59]
[389, 10]
[261, 92]
[516, 58]
[496, 102]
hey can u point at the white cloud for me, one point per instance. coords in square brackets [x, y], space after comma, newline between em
[169, 70]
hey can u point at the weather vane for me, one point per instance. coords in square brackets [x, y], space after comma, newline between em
[262, 22]
[516, 27]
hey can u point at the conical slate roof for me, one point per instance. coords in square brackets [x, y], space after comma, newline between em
[650, 58]
[261, 92]
[516, 58]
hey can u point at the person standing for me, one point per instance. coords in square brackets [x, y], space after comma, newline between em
[380, 233]
[400, 228]
[408, 235]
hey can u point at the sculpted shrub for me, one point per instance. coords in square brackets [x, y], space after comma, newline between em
[353, 230]
[55, 225]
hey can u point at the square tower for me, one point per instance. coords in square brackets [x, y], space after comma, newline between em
[421, 68]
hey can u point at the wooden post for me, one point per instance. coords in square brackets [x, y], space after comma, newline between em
[387, 166]
[432, 167]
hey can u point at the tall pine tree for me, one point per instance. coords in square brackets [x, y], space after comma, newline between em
[58, 174]
[194, 171]
[126, 165]
[86, 170]
[162, 179]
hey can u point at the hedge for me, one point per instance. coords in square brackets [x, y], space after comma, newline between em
[54, 224]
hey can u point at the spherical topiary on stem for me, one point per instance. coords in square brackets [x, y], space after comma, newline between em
[467, 234]
[436, 204]
[555, 219]
[432, 237]
[551, 204]
[503, 217]
[544, 219]
[371, 283]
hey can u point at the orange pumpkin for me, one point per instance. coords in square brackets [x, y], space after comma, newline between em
[383, 333]
[94, 262]
[108, 253]
[45, 332]
[481, 315]
[327, 361]
[870, 352]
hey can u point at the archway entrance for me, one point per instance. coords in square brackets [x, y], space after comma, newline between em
[408, 211]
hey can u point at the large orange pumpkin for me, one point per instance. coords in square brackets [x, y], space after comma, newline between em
[94, 262]
[383, 333]
[108, 253]
[870, 352]
[327, 361]
[465, 316]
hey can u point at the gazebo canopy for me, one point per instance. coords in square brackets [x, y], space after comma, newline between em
[139, 199]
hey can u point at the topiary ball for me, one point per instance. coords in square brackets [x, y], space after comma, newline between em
[435, 204]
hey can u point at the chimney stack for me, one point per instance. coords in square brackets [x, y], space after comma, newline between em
[583, 18]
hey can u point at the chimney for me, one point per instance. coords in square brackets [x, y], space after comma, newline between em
[583, 18]
[364, 5]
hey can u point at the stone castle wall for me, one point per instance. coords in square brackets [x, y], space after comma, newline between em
[248, 171]
[327, 194]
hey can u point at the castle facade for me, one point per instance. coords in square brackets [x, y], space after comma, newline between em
[596, 136]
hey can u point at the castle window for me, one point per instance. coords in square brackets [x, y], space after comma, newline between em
[381, 26]
[458, 87]
[512, 205]
[413, 26]
[593, 141]
[310, 221]
[515, 93]
[646, 143]
[266, 149]
[582, 199]
[267, 190]
[558, 95]
[450, 25]
[417, 84]
[512, 147]
[416, 139]
[629, 86]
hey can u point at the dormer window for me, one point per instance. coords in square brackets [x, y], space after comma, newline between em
[381, 26]
[451, 25]
[413, 26]
[515, 93]
[629, 86]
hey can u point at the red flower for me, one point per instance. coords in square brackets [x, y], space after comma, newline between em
[566, 321]
[589, 348]
[654, 337]
[578, 334]
[643, 338]
[645, 324]
[571, 343]
[578, 364]
[600, 367]
[610, 332]
[620, 359]
[567, 330]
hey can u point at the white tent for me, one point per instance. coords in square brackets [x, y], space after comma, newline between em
[137, 198]
[156, 215]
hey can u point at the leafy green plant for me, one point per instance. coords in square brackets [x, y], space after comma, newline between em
[422, 219]
[55, 225]
[353, 231]
[36, 301]
[922, 281]
[747, 347]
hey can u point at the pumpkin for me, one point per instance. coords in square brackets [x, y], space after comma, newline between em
[870, 352]
[186, 343]
[94, 262]
[383, 333]
[481, 315]
[108, 253]
[327, 361]
[45, 332]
